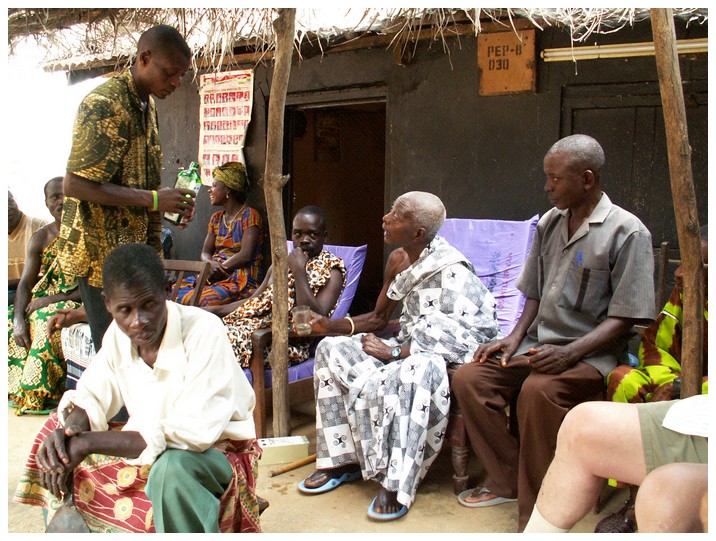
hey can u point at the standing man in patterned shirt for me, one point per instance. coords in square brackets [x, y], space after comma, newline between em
[114, 169]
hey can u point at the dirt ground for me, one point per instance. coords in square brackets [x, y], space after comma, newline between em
[21, 432]
[436, 508]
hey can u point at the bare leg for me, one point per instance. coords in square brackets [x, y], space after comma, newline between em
[669, 499]
[597, 440]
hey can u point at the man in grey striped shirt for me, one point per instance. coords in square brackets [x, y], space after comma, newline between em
[588, 280]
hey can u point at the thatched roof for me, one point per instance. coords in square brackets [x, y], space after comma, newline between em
[77, 38]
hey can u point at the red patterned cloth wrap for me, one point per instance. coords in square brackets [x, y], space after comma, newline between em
[109, 493]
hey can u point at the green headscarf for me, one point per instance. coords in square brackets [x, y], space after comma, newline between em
[233, 175]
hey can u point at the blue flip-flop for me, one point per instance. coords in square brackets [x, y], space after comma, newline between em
[329, 485]
[384, 517]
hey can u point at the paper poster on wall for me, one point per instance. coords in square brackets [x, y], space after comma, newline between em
[224, 116]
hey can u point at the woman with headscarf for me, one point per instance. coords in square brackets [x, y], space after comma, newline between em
[234, 242]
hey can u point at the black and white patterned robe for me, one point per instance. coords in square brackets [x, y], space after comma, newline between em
[391, 417]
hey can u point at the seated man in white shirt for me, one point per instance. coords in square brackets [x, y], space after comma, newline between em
[189, 443]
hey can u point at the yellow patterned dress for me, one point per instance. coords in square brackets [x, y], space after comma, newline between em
[36, 377]
[243, 281]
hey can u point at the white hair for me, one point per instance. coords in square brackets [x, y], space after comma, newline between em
[426, 210]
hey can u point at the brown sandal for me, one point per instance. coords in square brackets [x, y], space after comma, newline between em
[623, 521]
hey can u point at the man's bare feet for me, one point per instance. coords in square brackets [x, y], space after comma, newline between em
[320, 477]
[386, 503]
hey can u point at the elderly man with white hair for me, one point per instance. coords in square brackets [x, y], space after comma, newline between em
[382, 405]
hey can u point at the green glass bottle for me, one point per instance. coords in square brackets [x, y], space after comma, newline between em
[187, 179]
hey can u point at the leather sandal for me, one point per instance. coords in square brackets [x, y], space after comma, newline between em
[263, 504]
[623, 521]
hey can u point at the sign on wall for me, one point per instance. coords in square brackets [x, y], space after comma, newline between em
[225, 112]
[506, 62]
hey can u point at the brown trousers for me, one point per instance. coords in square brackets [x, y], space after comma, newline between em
[515, 468]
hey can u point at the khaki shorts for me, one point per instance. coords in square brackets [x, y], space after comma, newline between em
[664, 446]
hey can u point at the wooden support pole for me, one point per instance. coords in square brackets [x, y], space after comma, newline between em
[274, 181]
[682, 188]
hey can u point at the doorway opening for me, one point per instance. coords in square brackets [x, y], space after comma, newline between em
[336, 160]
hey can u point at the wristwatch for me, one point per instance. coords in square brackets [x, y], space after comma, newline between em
[395, 354]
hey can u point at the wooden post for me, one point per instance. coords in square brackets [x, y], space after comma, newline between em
[274, 181]
[682, 188]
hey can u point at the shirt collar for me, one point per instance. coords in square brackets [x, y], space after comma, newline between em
[171, 351]
[601, 211]
[127, 77]
[597, 216]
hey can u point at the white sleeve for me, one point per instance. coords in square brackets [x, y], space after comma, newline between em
[97, 393]
[689, 416]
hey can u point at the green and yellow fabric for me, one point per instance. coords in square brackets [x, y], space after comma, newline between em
[659, 356]
[36, 377]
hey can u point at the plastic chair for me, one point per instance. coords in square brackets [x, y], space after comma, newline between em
[300, 376]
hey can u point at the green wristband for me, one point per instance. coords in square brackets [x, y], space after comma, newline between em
[155, 198]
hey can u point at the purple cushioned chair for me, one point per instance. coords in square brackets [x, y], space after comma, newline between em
[498, 250]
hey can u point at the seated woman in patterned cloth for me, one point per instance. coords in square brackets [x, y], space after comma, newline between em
[233, 244]
[316, 278]
[36, 368]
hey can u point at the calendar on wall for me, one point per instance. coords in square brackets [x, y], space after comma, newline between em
[224, 116]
